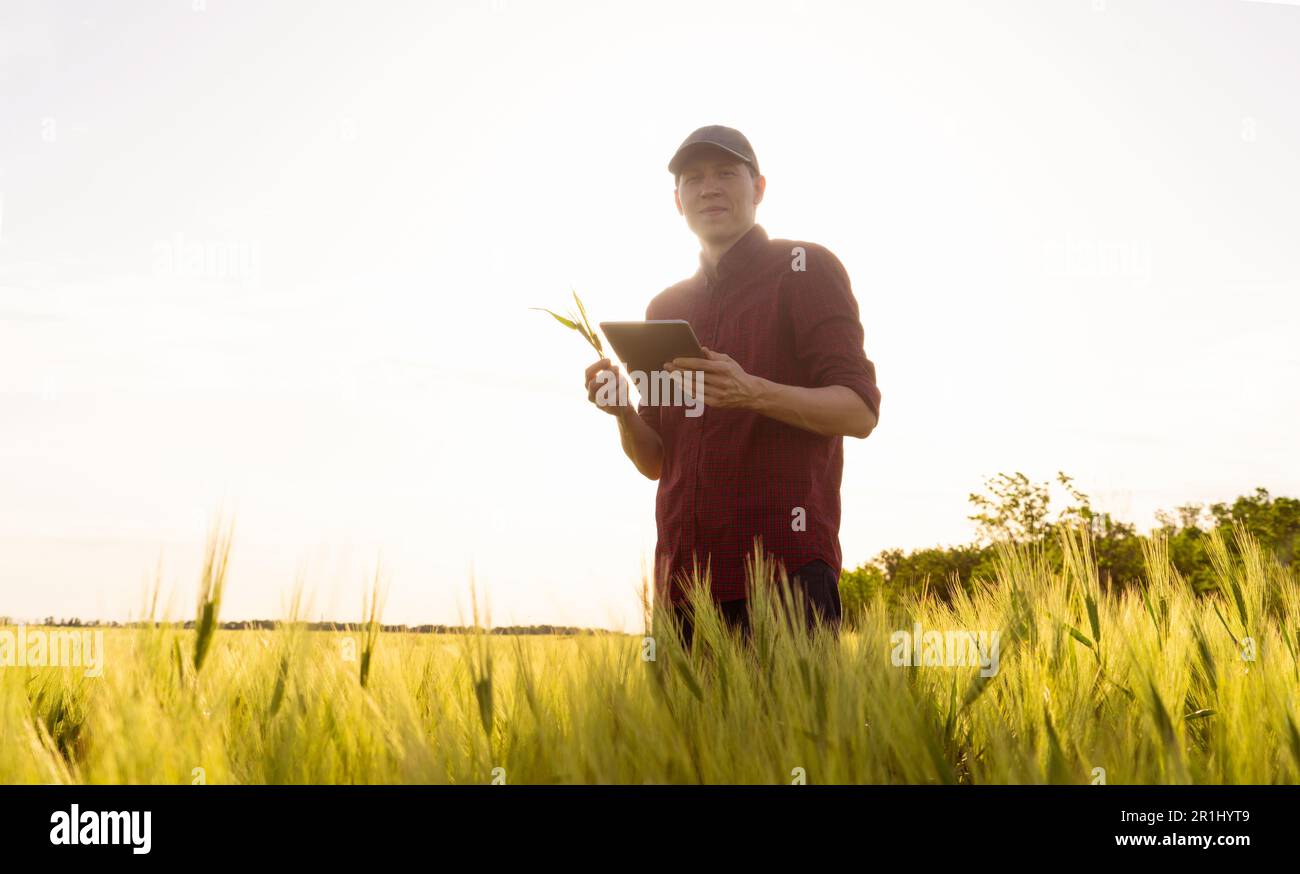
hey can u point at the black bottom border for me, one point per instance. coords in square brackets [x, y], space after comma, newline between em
[296, 823]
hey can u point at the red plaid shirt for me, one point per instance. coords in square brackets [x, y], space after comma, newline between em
[731, 475]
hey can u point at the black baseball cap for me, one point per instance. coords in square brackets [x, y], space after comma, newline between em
[727, 138]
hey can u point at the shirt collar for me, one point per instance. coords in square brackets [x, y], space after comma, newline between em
[738, 255]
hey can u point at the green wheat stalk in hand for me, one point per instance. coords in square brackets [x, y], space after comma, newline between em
[582, 326]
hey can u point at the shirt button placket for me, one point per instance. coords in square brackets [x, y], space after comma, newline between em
[708, 336]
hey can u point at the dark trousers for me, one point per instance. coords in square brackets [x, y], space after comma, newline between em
[816, 582]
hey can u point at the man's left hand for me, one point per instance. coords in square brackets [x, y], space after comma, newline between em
[726, 384]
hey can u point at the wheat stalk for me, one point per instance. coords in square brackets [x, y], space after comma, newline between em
[578, 322]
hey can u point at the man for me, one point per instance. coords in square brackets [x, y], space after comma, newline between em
[785, 380]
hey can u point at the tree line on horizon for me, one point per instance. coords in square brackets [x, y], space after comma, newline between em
[1016, 510]
[323, 625]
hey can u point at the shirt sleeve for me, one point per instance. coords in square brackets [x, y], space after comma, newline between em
[649, 414]
[828, 335]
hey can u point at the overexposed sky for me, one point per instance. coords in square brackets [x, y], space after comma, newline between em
[278, 258]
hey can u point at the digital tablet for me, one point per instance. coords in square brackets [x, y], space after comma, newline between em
[645, 346]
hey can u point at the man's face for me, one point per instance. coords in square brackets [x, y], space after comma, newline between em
[717, 194]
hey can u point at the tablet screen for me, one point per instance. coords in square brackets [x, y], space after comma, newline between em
[645, 346]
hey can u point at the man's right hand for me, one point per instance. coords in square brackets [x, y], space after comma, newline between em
[641, 442]
[596, 384]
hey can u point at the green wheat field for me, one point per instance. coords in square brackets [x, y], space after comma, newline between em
[1156, 684]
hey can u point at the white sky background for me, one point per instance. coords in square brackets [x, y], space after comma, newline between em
[394, 184]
